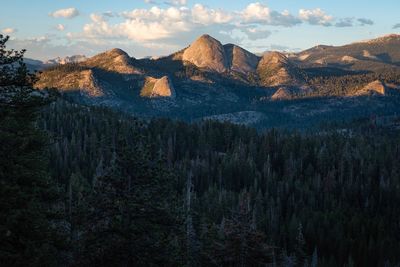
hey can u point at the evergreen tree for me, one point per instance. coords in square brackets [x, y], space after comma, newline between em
[28, 197]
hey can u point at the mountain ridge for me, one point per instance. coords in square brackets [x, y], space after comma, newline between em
[209, 78]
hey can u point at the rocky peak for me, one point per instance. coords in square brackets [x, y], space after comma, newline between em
[116, 52]
[206, 52]
[115, 60]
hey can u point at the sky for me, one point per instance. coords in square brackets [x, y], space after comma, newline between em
[52, 28]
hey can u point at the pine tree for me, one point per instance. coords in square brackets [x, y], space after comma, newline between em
[27, 194]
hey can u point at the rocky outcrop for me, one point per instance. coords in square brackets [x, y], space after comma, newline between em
[78, 80]
[282, 94]
[376, 88]
[275, 69]
[240, 60]
[158, 88]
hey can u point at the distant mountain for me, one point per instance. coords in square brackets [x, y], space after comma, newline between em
[36, 65]
[66, 60]
[207, 79]
[372, 55]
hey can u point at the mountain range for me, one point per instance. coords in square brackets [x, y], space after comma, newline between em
[209, 79]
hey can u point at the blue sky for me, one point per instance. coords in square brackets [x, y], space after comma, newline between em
[51, 28]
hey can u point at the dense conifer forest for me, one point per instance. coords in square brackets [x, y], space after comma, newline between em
[86, 186]
[287, 198]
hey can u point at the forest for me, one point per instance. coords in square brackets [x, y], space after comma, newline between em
[88, 186]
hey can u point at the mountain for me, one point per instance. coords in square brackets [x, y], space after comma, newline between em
[38, 65]
[115, 60]
[65, 60]
[206, 52]
[372, 55]
[209, 79]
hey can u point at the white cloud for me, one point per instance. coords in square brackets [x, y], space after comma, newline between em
[256, 12]
[65, 13]
[60, 27]
[396, 26]
[316, 17]
[9, 30]
[206, 16]
[96, 18]
[259, 13]
[168, 25]
[155, 23]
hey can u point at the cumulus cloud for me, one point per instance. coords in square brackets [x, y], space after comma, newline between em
[206, 16]
[169, 24]
[315, 17]
[67, 13]
[9, 30]
[396, 26]
[259, 13]
[60, 27]
[156, 23]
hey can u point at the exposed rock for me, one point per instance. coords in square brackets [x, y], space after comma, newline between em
[304, 57]
[115, 60]
[275, 69]
[83, 80]
[368, 55]
[282, 94]
[206, 52]
[349, 59]
[376, 88]
[289, 92]
[320, 61]
[240, 60]
[155, 88]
